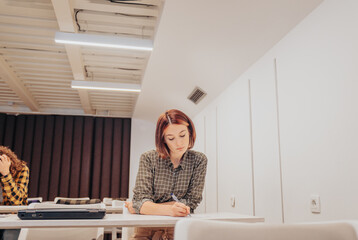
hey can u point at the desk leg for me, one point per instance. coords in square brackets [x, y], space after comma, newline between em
[114, 233]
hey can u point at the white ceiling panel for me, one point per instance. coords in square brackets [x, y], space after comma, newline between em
[42, 71]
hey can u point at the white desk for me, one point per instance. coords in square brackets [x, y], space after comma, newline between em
[11, 209]
[120, 220]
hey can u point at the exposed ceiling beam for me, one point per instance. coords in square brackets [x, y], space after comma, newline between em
[16, 85]
[65, 18]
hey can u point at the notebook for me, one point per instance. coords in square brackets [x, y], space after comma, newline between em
[61, 213]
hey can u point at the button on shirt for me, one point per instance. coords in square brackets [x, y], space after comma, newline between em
[157, 179]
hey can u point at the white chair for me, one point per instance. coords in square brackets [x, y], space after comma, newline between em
[62, 233]
[36, 199]
[194, 229]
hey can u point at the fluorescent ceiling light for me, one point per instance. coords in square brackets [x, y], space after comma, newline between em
[107, 86]
[104, 41]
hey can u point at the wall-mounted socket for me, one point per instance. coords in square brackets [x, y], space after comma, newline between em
[315, 204]
[232, 200]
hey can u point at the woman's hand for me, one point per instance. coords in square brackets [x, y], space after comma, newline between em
[179, 209]
[129, 206]
[5, 164]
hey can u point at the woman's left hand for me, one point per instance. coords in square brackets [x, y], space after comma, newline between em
[5, 164]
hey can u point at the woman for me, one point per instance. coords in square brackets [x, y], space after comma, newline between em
[14, 176]
[14, 179]
[170, 170]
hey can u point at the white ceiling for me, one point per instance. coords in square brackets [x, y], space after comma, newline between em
[201, 43]
[36, 73]
[209, 44]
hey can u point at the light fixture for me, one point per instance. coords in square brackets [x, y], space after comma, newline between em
[107, 86]
[104, 41]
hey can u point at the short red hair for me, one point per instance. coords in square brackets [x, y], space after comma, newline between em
[172, 116]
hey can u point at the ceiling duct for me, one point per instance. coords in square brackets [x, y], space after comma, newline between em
[197, 95]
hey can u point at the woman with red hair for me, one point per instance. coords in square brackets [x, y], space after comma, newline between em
[170, 179]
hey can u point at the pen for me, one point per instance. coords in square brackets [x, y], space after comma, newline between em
[176, 199]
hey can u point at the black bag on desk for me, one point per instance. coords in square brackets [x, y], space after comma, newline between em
[61, 213]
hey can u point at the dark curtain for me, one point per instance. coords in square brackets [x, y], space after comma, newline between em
[71, 156]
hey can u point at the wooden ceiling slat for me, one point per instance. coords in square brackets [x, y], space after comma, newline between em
[32, 87]
[56, 84]
[113, 98]
[42, 98]
[46, 78]
[48, 94]
[40, 66]
[152, 11]
[27, 30]
[112, 65]
[113, 19]
[32, 12]
[114, 71]
[114, 59]
[43, 71]
[114, 94]
[136, 32]
[114, 52]
[31, 46]
[60, 105]
[113, 80]
[42, 75]
[20, 38]
[36, 60]
[20, 20]
[49, 100]
[33, 53]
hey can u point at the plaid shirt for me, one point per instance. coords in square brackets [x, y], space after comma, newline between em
[157, 179]
[14, 190]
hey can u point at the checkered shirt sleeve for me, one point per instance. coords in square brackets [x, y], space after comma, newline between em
[15, 189]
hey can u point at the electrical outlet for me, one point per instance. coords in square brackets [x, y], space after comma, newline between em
[315, 204]
[232, 200]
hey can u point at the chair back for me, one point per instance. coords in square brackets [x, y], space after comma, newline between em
[191, 229]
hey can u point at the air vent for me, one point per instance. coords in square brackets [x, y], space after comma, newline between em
[196, 95]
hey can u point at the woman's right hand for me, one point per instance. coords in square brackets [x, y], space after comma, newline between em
[5, 164]
[129, 206]
[179, 209]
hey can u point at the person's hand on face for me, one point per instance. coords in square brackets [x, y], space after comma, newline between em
[5, 164]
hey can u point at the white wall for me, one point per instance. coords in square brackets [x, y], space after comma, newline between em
[142, 140]
[317, 80]
[206, 143]
[307, 126]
